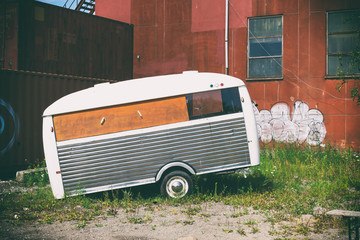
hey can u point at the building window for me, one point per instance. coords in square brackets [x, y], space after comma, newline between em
[343, 41]
[265, 47]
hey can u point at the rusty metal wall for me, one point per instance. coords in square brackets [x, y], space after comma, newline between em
[172, 36]
[9, 34]
[23, 98]
[45, 38]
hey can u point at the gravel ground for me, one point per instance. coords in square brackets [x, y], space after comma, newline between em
[206, 221]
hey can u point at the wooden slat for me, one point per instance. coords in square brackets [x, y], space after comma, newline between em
[343, 213]
[120, 118]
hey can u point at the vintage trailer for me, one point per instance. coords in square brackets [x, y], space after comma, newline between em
[156, 129]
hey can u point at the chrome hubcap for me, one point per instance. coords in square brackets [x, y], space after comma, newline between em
[177, 187]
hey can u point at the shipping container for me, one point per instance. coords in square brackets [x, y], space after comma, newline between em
[23, 98]
[44, 38]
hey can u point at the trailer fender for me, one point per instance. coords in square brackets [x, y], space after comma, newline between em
[171, 165]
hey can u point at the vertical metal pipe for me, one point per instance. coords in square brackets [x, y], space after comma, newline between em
[356, 227]
[227, 37]
[349, 227]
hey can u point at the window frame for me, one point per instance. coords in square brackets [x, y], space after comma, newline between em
[336, 76]
[280, 77]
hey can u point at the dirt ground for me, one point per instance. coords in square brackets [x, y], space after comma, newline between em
[213, 221]
[202, 222]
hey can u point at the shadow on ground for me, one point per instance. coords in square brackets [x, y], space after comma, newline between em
[221, 184]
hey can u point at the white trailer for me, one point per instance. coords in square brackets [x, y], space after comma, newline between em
[156, 129]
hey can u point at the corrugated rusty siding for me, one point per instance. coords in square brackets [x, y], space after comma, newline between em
[58, 40]
[9, 34]
[24, 96]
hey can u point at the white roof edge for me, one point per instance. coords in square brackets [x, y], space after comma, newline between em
[141, 89]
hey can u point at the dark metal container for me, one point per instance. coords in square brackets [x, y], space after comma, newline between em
[44, 38]
[23, 99]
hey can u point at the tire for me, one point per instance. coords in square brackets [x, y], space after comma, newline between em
[176, 184]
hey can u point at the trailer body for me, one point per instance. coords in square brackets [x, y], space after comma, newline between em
[142, 131]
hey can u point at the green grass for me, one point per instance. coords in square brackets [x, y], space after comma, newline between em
[291, 180]
[38, 177]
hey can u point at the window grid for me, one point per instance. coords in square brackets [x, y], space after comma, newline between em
[272, 57]
[338, 53]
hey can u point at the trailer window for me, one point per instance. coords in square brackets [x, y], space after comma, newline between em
[213, 103]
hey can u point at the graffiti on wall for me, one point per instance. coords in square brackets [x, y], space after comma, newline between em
[9, 127]
[305, 124]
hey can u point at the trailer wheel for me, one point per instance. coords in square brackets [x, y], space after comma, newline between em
[176, 184]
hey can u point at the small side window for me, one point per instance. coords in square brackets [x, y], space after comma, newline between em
[213, 103]
[231, 100]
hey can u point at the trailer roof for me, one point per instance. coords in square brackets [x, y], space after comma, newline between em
[142, 89]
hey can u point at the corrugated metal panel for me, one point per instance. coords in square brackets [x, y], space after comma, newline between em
[9, 14]
[205, 147]
[63, 41]
[23, 98]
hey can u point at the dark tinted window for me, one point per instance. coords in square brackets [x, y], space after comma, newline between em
[213, 103]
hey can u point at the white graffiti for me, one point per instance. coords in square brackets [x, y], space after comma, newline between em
[305, 125]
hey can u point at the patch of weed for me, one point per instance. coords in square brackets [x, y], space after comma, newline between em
[204, 215]
[227, 230]
[82, 224]
[254, 230]
[241, 231]
[239, 214]
[37, 175]
[135, 220]
[188, 222]
[250, 223]
[191, 211]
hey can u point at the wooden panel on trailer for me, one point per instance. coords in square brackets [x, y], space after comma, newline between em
[120, 118]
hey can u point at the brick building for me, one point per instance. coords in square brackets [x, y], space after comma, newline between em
[288, 52]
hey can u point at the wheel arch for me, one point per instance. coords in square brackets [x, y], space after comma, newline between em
[173, 167]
